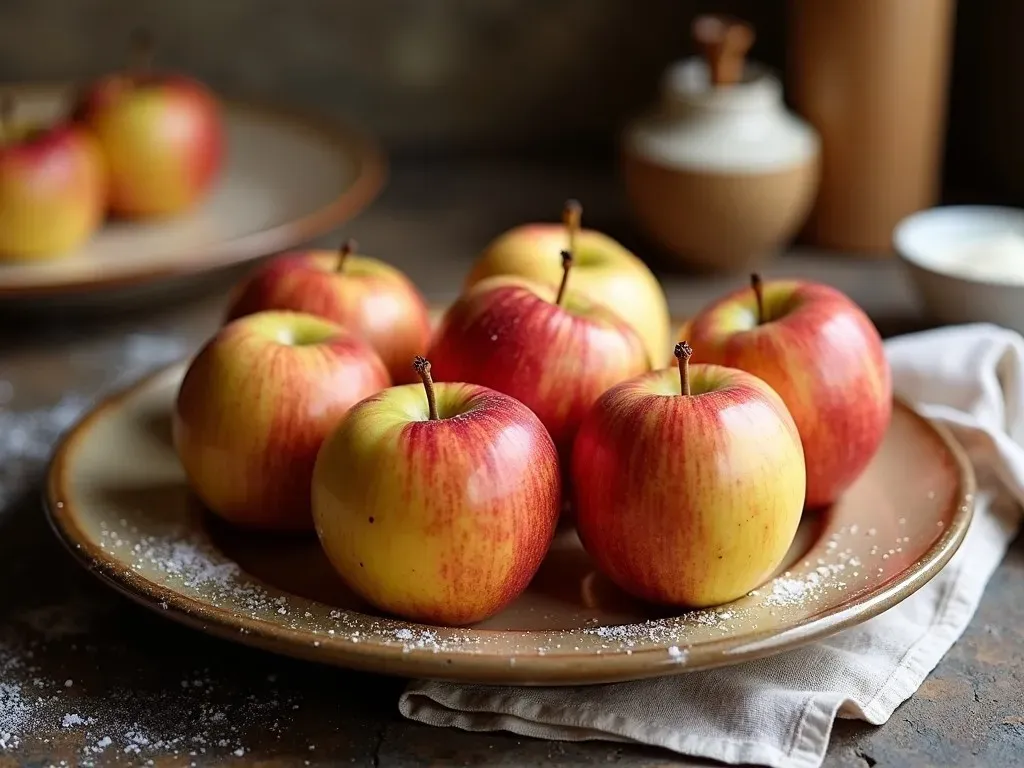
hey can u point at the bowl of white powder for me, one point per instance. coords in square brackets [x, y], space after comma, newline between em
[967, 262]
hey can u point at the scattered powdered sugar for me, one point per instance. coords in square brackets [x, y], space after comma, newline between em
[26, 440]
[16, 710]
[815, 580]
[27, 437]
[36, 701]
[658, 633]
[677, 654]
[182, 558]
[177, 557]
[163, 724]
[188, 562]
[787, 591]
[71, 720]
[23, 695]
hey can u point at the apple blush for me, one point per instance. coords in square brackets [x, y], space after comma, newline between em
[52, 187]
[553, 349]
[161, 135]
[254, 408]
[823, 356]
[437, 502]
[604, 272]
[689, 484]
[361, 293]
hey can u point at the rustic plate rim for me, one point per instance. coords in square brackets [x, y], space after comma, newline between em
[371, 174]
[581, 668]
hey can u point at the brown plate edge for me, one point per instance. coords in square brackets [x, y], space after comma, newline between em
[476, 667]
[371, 175]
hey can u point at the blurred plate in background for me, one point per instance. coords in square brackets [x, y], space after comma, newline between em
[288, 178]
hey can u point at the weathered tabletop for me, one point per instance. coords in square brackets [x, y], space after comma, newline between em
[88, 678]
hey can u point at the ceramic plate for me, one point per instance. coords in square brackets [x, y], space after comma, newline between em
[117, 498]
[287, 179]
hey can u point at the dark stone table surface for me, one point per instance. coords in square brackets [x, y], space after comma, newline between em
[88, 678]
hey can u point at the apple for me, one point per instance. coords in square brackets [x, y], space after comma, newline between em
[254, 408]
[555, 351]
[364, 294]
[604, 271]
[689, 486]
[437, 503]
[162, 137]
[821, 353]
[52, 187]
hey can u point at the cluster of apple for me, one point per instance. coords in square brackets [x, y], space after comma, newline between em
[135, 145]
[545, 387]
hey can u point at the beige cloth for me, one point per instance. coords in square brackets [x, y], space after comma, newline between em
[779, 711]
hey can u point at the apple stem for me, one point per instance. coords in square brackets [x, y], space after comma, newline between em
[422, 366]
[566, 266]
[758, 286]
[143, 46]
[571, 215]
[347, 248]
[682, 353]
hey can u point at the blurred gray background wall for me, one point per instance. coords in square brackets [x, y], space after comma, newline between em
[470, 77]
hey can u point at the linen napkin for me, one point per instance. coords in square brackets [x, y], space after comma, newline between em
[779, 711]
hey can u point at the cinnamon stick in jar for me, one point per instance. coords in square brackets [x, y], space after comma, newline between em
[723, 42]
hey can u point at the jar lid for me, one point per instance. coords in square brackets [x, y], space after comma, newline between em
[688, 82]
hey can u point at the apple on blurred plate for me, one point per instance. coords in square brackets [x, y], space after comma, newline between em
[604, 271]
[556, 351]
[52, 187]
[689, 484]
[254, 408]
[161, 134]
[363, 294]
[437, 503]
[825, 358]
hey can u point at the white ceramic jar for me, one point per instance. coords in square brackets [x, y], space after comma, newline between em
[720, 175]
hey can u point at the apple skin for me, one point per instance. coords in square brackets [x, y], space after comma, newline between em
[52, 192]
[826, 360]
[603, 269]
[162, 138]
[443, 521]
[254, 408]
[507, 333]
[369, 297]
[688, 501]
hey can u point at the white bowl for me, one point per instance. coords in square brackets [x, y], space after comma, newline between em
[985, 286]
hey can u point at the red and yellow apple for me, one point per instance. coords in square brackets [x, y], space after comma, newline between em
[821, 353]
[162, 137]
[437, 505]
[555, 351]
[603, 270]
[254, 408]
[689, 484]
[52, 188]
[363, 294]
